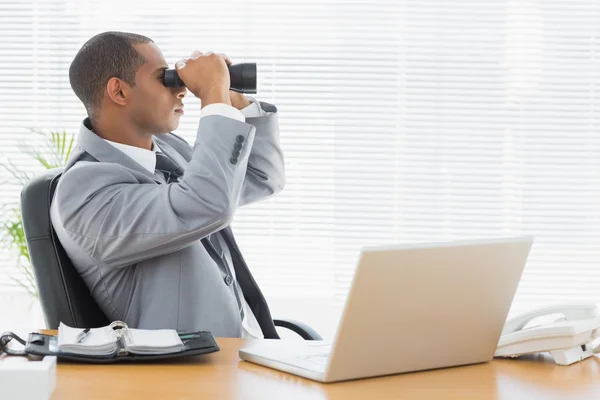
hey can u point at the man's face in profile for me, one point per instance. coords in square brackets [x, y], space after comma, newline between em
[153, 106]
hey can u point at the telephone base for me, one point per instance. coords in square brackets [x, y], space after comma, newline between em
[572, 355]
[566, 356]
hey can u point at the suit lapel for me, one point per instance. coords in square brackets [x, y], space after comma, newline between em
[171, 153]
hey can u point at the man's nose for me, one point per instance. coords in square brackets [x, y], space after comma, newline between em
[181, 92]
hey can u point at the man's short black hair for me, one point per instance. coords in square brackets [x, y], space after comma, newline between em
[104, 56]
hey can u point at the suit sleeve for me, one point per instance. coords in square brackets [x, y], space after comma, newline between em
[265, 174]
[118, 221]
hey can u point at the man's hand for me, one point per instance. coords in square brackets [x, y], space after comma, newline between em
[206, 76]
[198, 79]
[238, 100]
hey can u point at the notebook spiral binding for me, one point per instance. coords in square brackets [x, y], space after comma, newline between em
[120, 331]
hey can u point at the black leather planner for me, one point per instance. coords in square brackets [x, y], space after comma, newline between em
[194, 344]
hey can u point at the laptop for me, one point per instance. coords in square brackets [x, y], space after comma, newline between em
[411, 308]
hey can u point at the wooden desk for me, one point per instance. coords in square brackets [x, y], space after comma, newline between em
[223, 375]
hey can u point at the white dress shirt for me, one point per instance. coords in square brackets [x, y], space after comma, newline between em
[147, 159]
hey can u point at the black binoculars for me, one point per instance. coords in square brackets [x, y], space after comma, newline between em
[242, 76]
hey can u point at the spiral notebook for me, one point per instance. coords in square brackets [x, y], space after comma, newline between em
[118, 337]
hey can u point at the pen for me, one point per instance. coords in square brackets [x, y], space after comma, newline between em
[82, 335]
[189, 336]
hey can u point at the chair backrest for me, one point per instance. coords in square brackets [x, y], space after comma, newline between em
[64, 295]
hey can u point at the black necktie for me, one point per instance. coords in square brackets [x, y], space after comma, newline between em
[165, 165]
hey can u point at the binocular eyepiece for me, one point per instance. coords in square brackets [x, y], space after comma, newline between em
[242, 76]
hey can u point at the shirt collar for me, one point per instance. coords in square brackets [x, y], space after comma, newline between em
[146, 158]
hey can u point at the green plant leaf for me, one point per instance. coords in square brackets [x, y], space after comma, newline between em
[20, 176]
[27, 288]
[62, 147]
[68, 153]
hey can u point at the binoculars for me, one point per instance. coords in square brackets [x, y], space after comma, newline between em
[242, 76]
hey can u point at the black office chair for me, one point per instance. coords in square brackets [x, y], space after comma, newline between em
[63, 294]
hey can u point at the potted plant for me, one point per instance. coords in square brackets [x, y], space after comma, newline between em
[53, 151]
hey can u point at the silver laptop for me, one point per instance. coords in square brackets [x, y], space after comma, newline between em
[411, 308]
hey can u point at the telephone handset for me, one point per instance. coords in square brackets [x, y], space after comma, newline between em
[569, 339]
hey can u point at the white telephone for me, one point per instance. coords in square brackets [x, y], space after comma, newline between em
[568, 339]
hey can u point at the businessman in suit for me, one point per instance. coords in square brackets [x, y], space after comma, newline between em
[143, 215]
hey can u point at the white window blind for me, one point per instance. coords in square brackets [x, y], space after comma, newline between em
[401, 121]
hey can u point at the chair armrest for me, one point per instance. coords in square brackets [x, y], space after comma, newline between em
[305, 331]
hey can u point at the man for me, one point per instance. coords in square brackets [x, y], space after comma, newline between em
[145, 217]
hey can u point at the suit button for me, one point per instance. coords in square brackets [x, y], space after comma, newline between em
[233, 160]
[235, 153]
[240, 139]
[237, 146]
[228, 280]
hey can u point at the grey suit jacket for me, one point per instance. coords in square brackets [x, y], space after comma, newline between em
[137, 241]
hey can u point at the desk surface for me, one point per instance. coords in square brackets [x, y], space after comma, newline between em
[223, 375]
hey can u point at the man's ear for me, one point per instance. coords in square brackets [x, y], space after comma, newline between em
[118, 91]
